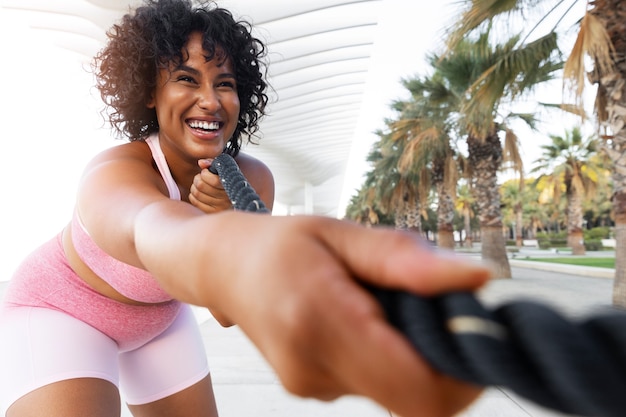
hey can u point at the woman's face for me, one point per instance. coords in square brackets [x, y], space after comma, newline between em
[196, 105]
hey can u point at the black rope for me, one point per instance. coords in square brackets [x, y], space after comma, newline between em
[572, 367]
[241, 194]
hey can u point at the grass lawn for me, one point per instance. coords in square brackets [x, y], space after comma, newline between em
[598, 262]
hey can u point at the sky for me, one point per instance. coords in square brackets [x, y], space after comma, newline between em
[51, 126]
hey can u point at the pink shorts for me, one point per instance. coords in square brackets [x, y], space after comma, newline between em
[55, 327]
[39, 346]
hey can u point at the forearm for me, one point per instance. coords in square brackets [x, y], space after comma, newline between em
[180, 246]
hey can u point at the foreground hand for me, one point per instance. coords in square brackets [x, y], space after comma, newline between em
[296, 294]
[207, 192]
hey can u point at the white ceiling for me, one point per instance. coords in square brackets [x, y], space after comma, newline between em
[320, 54]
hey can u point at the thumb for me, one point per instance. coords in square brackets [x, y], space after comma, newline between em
[393, 259]
[205, 163]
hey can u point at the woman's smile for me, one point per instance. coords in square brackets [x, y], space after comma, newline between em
[205, 129]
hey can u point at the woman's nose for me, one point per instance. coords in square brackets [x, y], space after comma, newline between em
[208, 99]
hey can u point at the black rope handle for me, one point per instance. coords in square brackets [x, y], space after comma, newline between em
[572, 367]
[241, 194]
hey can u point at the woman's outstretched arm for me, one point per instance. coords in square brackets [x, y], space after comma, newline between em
[293, 285]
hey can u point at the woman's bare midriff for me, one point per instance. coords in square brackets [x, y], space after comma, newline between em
[91, 278]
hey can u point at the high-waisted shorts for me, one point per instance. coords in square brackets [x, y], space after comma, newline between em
[54, 327]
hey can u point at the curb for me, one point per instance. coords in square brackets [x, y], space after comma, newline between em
[588, 271]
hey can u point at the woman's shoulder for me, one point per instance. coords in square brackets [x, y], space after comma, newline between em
[137, 149]
[127, 159]
[252, 166]
[259, 175]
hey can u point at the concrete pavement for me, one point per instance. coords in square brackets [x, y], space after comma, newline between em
[245, 385]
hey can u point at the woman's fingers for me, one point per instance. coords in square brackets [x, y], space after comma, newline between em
[389, 258]
[383, 366]
[207, 193]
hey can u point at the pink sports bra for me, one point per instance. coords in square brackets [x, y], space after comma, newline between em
[132, 282]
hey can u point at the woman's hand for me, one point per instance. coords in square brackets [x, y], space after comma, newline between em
[207, 192]
[293, 285]
[294, 289]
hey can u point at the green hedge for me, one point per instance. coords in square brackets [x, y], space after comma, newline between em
[597, 233]
[593, 244]
[552, 243]
[592, 239]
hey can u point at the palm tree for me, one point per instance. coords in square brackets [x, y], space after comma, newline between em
[568, 160]
[513, 197]
[423, 128]
[464, 205]
[359, 208]
[386, 191]
[601, 37]
[598, 209]
[487, 79]
[553, 201]
[402, 192]
[534, 213]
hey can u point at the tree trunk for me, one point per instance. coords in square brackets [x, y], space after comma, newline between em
[518, 226]
[445, 218]
[494, 250]
[468, 228]
[485, 157]
[613, 15]
[576, 241]
[400, 220]
[446, 239]
[533, 229]
[408, 216]
[413, 217]
[619, 210]
[619, 285]
[615, 86]
[574, 221]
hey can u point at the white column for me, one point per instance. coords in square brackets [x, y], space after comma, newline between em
[308, 198]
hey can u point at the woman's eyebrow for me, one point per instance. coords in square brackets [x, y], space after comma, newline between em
[187, 68]
[226, 75]
[192, 70]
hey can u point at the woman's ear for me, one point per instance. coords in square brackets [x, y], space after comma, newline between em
[151, 104]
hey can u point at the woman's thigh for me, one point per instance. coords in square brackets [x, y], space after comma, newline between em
[72, 397]
[171, 372]
[44, 353]
[197, 400]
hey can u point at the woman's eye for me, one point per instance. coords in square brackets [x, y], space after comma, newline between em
[186, 78]
[228, 84]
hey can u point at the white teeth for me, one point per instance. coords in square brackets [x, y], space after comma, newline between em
[197, 124]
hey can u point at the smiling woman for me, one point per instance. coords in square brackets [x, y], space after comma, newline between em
[167, 66]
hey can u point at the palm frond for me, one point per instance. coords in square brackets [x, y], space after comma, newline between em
[511, 63]
[574, 109]
[511, 153]
[529, 118]
[480, 11]
[417, 152]
[592, 41]
[600, 105]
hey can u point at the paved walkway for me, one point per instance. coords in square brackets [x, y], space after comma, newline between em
[246, 386]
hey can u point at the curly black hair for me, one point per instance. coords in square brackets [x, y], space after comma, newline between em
[153, 37]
